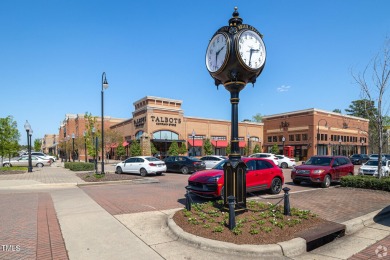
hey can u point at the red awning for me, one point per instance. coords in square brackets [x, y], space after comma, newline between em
[195, 142]
[220, 144]
[125, 144]
[114, 145]
[242, 144]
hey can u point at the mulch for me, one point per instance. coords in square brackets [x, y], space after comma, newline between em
[91, 177]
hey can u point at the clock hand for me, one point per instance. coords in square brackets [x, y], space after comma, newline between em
[220, 50]
[250, 56]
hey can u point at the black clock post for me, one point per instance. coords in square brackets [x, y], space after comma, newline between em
[235, 56]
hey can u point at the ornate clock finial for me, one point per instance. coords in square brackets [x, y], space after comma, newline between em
[236, 19]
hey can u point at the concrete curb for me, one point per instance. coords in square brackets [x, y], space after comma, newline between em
[40, 186]
[137, 181]
[289, 248]
[356, 224]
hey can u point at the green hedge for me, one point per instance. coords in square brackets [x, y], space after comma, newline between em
[366, 182]
[79, 166]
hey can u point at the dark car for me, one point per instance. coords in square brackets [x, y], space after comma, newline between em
[261, 174]
[359, 158]
[184, 164]
[323, 170]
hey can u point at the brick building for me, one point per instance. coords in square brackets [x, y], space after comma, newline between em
[49, 144]
[313, 131]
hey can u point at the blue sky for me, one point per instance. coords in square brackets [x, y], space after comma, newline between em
[53, 54]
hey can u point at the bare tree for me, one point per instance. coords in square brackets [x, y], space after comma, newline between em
[374, 90]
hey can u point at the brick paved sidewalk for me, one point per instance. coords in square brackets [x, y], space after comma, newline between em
[379, 250]
[29, 227]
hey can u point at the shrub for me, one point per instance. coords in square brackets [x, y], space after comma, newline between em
[79, 166]
[366, 182]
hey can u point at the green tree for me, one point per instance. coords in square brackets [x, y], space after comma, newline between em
[153, 148]
[37, 145]
[120, 151]
[256, 149]
[207, 147]
[257, 118]
[9, 137]
[275, 149]
[183, 148]
[337, 110]
[228, 149]
[173, 149]
[90, 124]
[135, 148]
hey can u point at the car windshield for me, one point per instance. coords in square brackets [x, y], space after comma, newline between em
[323, 161]
[219, 166]
[374, 163]
[355, 156]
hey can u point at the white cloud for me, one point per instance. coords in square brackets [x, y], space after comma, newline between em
[283, 88]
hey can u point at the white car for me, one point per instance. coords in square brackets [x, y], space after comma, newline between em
[142, 165]
[269, 156]
[212, 160]
[376, 156]
[42, 155]
[285, 162]
[23, 161]
[371, 168]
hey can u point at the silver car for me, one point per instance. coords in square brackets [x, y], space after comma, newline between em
[23, 161]
[212, 160]
[142, 165]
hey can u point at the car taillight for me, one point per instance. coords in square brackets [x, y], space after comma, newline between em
[293, 160]
[197, 163]
[152, 164]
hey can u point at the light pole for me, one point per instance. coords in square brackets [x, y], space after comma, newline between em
[68, 155]
[340, 145]
[73, 136]
[318, 132]
[104, 86]
[27, 127]
[85, 145]
[95, 146]
[193, 142]
[283, 140]
[247, 152]
[361, 149]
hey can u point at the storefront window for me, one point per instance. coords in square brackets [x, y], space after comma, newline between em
[168, 135]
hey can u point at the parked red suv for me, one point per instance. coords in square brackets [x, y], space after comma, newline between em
[262, 174]
[322, 169]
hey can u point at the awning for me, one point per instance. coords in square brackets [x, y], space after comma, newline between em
[125, 144]
[220, 144]
[114, 145]
[242, 144]
[195, 142]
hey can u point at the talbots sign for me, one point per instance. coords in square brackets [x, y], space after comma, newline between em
[164, 120]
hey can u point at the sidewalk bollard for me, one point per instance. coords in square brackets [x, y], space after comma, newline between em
[188, 202]
[286, 201]
[232, 213]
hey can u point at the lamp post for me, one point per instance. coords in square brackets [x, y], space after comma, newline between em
[68, 155]
[166, 140]
[85, 145]
[73, 136]
[193, 142]
[95, 148]
[361, 149]
[27, 127]
[340, 145]
[283, 140]
[247, 152]
[104, 86]
[318, 133]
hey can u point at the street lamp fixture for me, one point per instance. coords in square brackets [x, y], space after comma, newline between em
[318, 133]
[73, 136]
[193, 142]
[85, 145]
[283, 140]
[104, 86]
[27, 127]
[340, 140]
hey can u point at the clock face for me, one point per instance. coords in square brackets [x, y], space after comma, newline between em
[217, 52]
[251, 50]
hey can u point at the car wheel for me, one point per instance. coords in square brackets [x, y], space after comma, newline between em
[39, 165]
[284, 165]
[7, 165]
[276, 186]
[119, 170]
[184, 170]
[296, 182]
[326, 182]
[143, 172]
[52, 160]
[158, 173]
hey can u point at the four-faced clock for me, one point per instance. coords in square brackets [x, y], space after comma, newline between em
[217, 53]
[250, 50]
